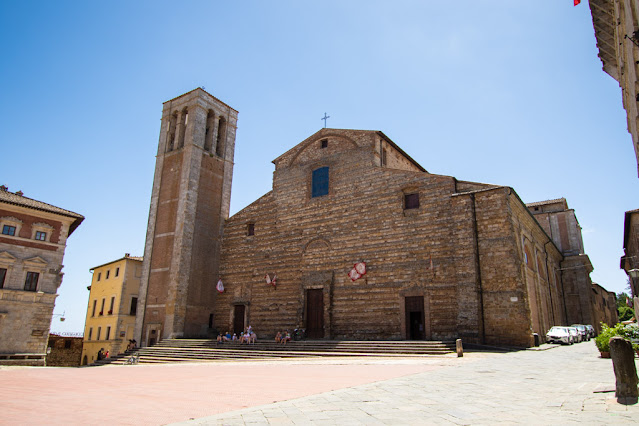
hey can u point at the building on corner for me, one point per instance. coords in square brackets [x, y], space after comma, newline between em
[604, 304]
[112, 307]
[33, 238]
[630, 259]
[616, 25]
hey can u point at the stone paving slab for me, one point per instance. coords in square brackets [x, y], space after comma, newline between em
[559, 386]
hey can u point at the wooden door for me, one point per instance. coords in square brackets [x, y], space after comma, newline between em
[315, 313]
[238, 319]
[415, 327]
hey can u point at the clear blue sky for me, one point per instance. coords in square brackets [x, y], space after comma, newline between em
[497, 91]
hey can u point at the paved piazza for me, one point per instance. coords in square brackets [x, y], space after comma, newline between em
[560, 385]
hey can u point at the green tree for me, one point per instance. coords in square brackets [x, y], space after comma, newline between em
[621, 299]
[625, 313]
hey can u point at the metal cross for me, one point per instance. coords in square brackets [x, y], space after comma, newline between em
[325, 118]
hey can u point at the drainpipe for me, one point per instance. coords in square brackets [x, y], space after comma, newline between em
[478, 270]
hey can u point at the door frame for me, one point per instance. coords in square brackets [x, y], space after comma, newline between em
[244, 320]
[405, 328]
[323, 313]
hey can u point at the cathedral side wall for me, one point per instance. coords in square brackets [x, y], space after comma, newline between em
[506, 316]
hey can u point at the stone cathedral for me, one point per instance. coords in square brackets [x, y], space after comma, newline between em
[437, 258]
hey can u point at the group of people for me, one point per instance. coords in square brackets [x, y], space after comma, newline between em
[282, 337]
[248, 336]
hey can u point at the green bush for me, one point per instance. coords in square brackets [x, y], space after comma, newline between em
[603, 340]
[629, 332]
[625, 313]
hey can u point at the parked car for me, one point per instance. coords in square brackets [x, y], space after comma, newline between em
[559, 334]
[576, 336]
[591, 330]
[583, 331]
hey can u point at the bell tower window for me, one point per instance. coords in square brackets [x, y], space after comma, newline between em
[221, 137]
[210, 131]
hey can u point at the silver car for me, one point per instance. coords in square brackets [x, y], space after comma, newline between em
[583, 331]
[558, 334]
[576, 335]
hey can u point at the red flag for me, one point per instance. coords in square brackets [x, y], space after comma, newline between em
[577, 2]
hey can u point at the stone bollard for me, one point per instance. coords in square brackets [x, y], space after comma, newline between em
[460, 348]
[623, 363]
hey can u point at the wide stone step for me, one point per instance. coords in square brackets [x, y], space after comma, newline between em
[204, 350]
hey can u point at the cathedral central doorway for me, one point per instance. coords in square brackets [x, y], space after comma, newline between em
[238, 319]
[315, 313]
[415, 318]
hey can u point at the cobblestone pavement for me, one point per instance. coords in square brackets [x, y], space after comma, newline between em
[561, 385]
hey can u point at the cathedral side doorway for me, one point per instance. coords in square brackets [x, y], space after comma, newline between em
[239, 312]
[415, 327]
[315, 313]
[153, 334]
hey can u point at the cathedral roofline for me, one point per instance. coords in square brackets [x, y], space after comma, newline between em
[378, 132]
[542, 203]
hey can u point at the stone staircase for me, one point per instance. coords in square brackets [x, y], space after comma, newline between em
[202, 350]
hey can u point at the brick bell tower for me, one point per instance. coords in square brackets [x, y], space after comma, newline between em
[189, 203]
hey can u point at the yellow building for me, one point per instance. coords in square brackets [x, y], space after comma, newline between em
[112, 307]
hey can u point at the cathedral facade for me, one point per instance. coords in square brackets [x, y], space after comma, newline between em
[355, 240]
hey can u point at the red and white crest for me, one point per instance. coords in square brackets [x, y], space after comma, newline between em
[358, 271]
[220, 286]
[354, 275]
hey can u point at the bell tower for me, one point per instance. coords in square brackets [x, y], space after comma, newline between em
[189, 202]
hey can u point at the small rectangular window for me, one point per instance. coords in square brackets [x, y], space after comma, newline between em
[99, 275]
[108, 333]
[95, 302]
[90, 333]
[99, 332]
[324, 143]
[67, 343]
[31, 282]
[3, 275]
[134, 306]
[117, 272]
[107, 275]
[102, 308]
[9, 230]
[383, 157]
[319, 186]
[111, 306]
[41, 236]
[411, 201]
[250, 229]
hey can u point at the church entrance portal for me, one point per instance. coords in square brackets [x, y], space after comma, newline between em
[315, 313]
[415, 318]
[238, 319]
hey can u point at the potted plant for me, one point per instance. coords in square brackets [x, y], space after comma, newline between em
[603, 340]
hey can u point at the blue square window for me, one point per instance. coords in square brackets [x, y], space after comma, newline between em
[320, 182]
